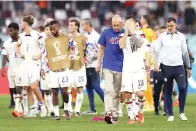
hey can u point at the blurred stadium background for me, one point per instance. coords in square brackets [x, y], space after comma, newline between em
[100, 12]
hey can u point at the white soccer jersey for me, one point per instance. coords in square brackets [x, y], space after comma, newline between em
[30, 44]
[9, 49]
[133, 56]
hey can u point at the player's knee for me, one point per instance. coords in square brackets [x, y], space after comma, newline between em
[140, 95]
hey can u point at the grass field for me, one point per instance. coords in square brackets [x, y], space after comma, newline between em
[152, 123]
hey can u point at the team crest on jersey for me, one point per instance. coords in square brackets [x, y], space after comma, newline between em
[73, 48]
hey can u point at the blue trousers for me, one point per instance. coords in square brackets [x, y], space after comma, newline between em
[169, 74]
[93, 83]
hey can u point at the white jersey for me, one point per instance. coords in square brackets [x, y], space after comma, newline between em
[9, 49]
[92, 48]
[30, 44]
[133, 56]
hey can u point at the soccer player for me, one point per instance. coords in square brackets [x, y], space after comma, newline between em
[28, 47]
[93, 78]
[77, 47]
[56, 48]
[9, 52]
[170, 47]
[134, 73]
[45, 73]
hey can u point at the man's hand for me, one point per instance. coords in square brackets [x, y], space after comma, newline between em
[132, 28]
[98, 67]
[189, 73]
[156, 68]
[147, 66]
[3, 72]
[126, 26]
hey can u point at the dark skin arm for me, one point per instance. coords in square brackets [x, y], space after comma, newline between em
[4, 60]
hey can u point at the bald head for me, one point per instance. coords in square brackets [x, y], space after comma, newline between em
[116, 23]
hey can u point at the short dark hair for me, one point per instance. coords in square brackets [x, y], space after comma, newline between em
[163, 27]
[47, 25]
[77, 23]
[29, 19]
[14, 26]
[53, 22]
[131, 17]
[41, 28]
[147, 18]
[170, 19]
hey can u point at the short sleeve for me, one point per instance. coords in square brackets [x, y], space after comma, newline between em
[102, 39]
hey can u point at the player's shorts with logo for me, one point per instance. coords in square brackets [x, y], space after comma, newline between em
[44, 82]
[59, 79]
[78, 77]
[27, 73]
[134, 82]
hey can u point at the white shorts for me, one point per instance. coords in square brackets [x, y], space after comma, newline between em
[44, 82]
[134, 82]
[78, 77]
[59, 79]
[11, 78]
[21, 76]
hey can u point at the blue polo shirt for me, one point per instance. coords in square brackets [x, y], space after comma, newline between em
[113, 54]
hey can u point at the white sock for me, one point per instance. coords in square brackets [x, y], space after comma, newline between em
[25, 102]
[129, 109]
[14, 97]
[79, 100]
[49, 102]
[56, 110]
[17, 104]
[70, 101]
[141, 104]
[65, 106]
[20, 107]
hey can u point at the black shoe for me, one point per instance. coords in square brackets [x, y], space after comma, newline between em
[108, 119]
[67, 115]
[11, 106]
[165, 114]
[156, 113]
[56, 118]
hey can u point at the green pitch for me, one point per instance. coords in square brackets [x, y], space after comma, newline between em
[152, 123]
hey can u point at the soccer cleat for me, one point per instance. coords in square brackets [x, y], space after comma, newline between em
[15, 113]
[89, 112]
[56, 118]
[20, 114]
[183, 117]
[131, 122]
[67, 115]
[156, 113]
[170, 118]
[77, 114]
[44, 111]
[140, 118]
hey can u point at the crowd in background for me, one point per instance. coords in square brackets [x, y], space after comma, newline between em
[100, 12]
